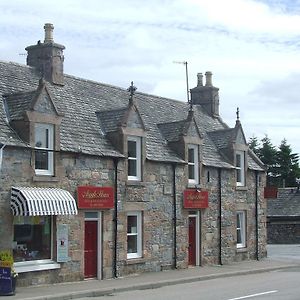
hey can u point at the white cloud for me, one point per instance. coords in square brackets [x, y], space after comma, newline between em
[252, 48]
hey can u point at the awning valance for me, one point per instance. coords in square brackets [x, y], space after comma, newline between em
[29, 201]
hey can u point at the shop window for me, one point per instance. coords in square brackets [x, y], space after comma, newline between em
[240, 168]
[32, 238]
[134, 235]
[193, 164]
[134, 158]
[241, 229]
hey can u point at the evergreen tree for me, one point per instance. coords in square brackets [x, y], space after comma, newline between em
[287, 165]
[254, 144]
[268, 155]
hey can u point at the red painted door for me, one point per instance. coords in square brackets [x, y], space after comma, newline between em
[192, 241]
[90, 249]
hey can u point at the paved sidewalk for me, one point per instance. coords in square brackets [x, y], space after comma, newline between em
[90, 288]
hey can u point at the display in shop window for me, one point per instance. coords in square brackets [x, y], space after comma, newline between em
[32, 238]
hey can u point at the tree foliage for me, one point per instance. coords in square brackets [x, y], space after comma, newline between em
[282, 165]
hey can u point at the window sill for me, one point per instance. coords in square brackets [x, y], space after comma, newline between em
[33, 266]
[41, 178]
[135, 183]
[132, 261]
[241, 188]
[241, 250]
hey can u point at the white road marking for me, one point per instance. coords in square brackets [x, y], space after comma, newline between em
[253, 295]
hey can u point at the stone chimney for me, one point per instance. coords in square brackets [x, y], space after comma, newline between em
[206, 95]
[47, 57]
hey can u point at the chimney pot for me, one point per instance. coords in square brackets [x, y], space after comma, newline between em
[208, 75]
[48, 33]
[200, 79]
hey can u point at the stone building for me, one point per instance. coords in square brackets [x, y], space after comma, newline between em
[99, 181]
[283, 217]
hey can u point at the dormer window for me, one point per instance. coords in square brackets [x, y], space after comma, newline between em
[134, 158]
[44, 145]
[193, 163]
[240, 168]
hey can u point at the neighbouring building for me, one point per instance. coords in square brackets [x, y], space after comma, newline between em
[283, 217]
[99, 181]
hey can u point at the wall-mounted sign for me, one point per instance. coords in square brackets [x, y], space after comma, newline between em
[62, 237]
[94, 197]
[193, 198]
[270, 192]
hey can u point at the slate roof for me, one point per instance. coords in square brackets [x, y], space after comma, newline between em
[287, 204]
[172, 131]
[85, 102]
[17, 103]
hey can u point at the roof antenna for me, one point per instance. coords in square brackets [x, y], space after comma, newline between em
[187, 82]
[132, 90]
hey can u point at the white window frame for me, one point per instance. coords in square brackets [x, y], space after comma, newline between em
[50, 128]
[241, 228]
[138, 158]
[241, 168]
[194, 164]
[41, 264]
[138, 235]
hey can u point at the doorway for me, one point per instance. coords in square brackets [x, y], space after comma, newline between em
[194, 239]
[92, 241]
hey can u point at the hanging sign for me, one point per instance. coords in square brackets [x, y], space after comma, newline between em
[193, 198]
[62, 237]
[94, 197]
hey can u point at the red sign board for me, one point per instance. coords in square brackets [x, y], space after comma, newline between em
[195, 199]
[94, 197]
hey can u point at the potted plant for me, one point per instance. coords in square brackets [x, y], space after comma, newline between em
[8, 274]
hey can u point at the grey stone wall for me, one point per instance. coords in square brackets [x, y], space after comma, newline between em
[283, 232]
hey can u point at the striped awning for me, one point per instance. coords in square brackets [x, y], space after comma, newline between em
[29, 201]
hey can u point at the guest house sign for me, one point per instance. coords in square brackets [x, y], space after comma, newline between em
[194, 199]
[94, 197]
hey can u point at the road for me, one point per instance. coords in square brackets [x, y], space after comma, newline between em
[279, 285]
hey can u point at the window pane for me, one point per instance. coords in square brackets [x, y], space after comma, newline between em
[32, 238]
[191, 155]
[132, 149]
[131, 224]
[41, 160]
[238, 175]
[91, 215]
[191, 172]
[238, 160]
[132, 244]
[132, 167]
[238, 221]
[239, 236]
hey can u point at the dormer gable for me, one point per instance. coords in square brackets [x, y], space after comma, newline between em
[117, 124]
[24, 109]
[230, 140]
[179, 134]
[42, 102]
[132, 118]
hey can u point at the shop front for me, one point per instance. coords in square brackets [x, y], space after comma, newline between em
[39, 241]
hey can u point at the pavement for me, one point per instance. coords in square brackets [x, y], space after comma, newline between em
[278, 259]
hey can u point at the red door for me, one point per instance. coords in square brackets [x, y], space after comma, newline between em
[90, 249]
[192, 241]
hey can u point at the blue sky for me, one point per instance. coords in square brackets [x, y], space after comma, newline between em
[251, 47]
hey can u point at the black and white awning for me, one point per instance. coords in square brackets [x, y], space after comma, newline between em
[29, 201]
